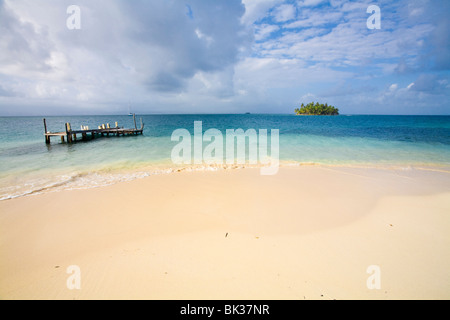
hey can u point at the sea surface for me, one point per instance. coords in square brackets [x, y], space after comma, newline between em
[29, 166]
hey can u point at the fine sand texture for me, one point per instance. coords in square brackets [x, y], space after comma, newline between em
[310, 232]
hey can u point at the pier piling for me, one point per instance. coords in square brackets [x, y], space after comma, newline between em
[47, 138]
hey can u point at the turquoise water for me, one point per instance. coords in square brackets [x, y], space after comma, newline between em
[28, 165]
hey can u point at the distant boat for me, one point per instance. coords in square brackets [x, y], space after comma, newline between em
[130, 113]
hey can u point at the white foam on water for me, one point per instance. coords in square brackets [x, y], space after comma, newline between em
[110, 176]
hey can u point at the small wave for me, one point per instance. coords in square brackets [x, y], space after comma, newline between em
[77, 181]
[95, 179]
[109, 176]
[29, 188]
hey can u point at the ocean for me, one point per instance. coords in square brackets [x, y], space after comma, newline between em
[29, 166]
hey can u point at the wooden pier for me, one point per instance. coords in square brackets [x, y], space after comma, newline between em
[86, 133]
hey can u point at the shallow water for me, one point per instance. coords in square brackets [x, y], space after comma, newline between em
[29, 166]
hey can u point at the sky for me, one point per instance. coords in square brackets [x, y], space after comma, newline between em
[223, 56]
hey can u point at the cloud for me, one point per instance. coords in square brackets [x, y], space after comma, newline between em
[393, 87]
[401, 100]
[284, 13]
[265, 30]
[22, 48]
[5, 93]
[255, 10]
[182, 47]
[431, 83]
[339, 38]
[285, 79]
[345, 87]
[441, 42]
[314, 19]
[139, 49]
[222, 55]
[310, 3]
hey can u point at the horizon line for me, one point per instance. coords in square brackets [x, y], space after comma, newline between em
[215, 114]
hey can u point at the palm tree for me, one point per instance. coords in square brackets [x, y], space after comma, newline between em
[317, 109]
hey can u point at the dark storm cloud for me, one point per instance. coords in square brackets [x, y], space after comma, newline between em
[207, 37]
[20, 45]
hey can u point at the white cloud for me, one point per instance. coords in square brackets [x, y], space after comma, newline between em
[310, 3]
[347, 44]
[393, 87]
[265, 30]
[284, 13]
[259, 74]
[256, 10]
[209, 40]
[308, 97]
[314, 19]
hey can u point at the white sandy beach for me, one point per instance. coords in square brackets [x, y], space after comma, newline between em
[306, 233]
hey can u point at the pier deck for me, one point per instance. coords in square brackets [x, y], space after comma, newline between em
[71, 135]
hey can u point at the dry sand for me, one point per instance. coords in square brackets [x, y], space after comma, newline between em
[305, 233]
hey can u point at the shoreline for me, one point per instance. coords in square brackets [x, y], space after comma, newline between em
[107, 176]
[308, 232]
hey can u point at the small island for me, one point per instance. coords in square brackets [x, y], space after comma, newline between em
[317, 109]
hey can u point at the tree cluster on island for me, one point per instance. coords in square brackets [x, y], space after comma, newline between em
[317, 109]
